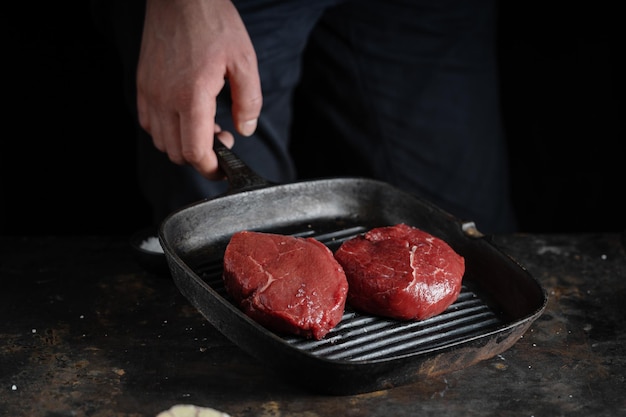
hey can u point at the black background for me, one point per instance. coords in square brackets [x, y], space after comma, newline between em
[67, 156]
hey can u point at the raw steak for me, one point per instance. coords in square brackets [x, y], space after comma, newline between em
[401, 272]
[287, 284]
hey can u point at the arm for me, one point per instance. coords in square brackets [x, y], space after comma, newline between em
[188, 49]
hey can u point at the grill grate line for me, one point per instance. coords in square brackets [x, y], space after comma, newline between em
[377, 352]
[392, 331]
[410, 340]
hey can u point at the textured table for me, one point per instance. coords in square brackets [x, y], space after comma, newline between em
[85, 331]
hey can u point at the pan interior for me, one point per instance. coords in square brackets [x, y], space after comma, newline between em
[497, 294]
[366, 338]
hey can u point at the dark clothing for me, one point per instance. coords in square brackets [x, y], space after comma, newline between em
[404, 91]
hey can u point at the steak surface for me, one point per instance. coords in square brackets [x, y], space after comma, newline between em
[287, 284]
[401, 272]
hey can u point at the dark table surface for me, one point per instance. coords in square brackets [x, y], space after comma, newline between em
[86, 331]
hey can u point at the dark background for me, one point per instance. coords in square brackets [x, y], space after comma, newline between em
[67, 156]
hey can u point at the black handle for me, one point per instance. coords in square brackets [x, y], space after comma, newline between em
[240, 176]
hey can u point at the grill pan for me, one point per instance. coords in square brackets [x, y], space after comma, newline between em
[499, 299]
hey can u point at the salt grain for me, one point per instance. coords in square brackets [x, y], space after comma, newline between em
[151, 244]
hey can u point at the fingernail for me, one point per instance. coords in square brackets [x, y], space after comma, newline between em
[248, 128]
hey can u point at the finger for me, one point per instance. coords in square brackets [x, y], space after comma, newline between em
[196, 135]
[142, 113]
[246, 94]
[149, 122]
[169, 130]
[226, 138]
[155, 131]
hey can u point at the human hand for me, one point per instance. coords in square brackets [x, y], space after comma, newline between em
[188, 49]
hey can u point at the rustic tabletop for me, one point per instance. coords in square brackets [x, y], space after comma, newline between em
[86, 331]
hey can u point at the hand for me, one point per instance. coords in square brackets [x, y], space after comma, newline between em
[188, 49]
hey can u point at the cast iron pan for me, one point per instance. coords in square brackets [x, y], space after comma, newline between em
[498, 302]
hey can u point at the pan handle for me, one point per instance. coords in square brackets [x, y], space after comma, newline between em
[240, 176]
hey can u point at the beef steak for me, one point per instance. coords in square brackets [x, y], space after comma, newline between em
[287, 284]
[401, 272]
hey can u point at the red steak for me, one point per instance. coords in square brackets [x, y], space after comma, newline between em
[401, 272]
[287, 284]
